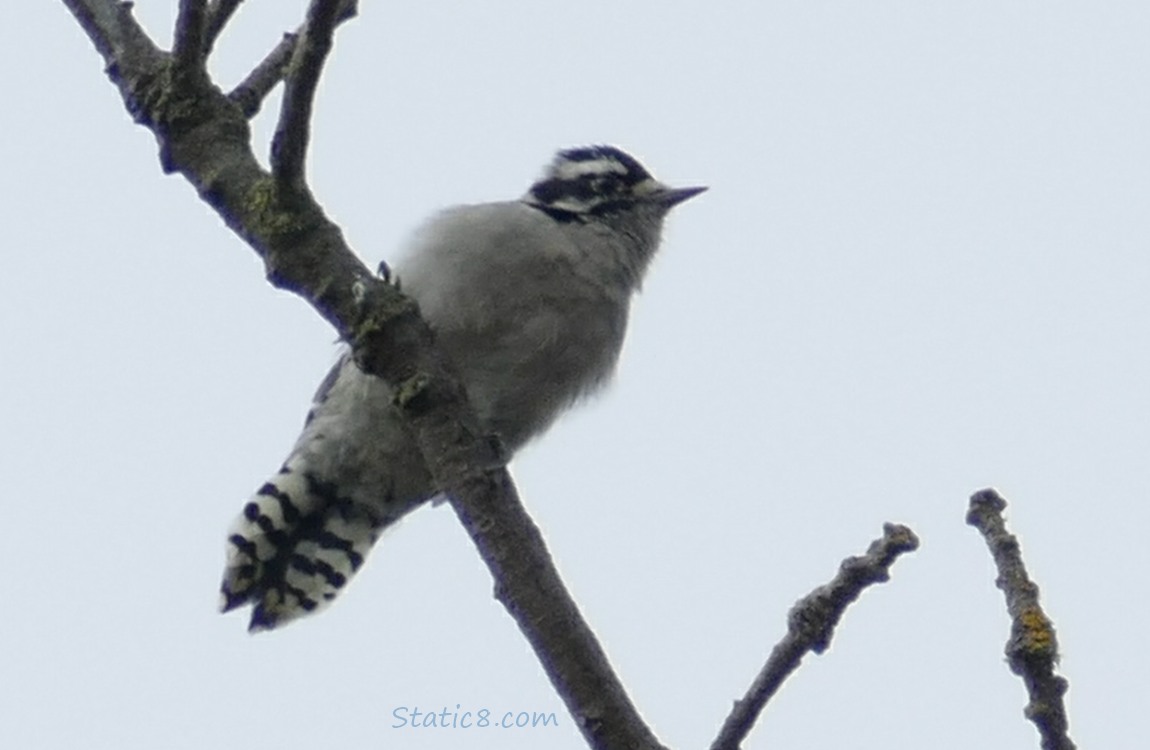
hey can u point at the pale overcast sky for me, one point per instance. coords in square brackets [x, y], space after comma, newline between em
[922, 269]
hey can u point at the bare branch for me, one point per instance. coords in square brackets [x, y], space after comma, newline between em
[511, 545]
[188, 48]
[219, 13]
[1032, 649]
[252, 91]
[290, 143]
[124, 46]
[115, 34]
[810, 625]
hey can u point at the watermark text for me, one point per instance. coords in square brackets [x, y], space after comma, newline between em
[414, 717]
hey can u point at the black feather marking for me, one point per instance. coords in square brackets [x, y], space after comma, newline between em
[273, 596]
[315, 566]
[260, 619]
[277, 537]
[303, 599]
[566, 198]
[290, 512]
[243, 544]
[329, 540]
[560, 215]
[234, 599]
[636, 172]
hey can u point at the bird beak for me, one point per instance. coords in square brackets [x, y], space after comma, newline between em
[669, 196]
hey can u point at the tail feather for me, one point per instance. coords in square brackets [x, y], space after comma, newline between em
[294, 547]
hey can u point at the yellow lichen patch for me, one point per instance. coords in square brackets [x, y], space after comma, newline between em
[411, 389]
[1037, 632]
[267, 215]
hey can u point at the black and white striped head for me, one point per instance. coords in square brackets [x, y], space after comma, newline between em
[600, 181]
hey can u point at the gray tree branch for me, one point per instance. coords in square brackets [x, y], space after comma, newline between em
[810, 626]
[293, 130]
[1032, 649]
[191, 26]
[219, 13]
[250, 93]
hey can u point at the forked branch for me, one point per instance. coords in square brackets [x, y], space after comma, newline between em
[250, 93]
[810, 625]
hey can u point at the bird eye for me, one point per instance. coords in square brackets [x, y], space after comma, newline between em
[606, 184]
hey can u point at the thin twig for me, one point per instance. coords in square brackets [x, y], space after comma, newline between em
[810, 625]
[293, 131]
[219, 13]
[1032, 649]
[188, 46]
[251, 92]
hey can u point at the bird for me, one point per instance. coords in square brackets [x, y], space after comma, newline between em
[529, 298]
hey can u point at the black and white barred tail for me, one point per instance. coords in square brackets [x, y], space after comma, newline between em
[294, 548]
